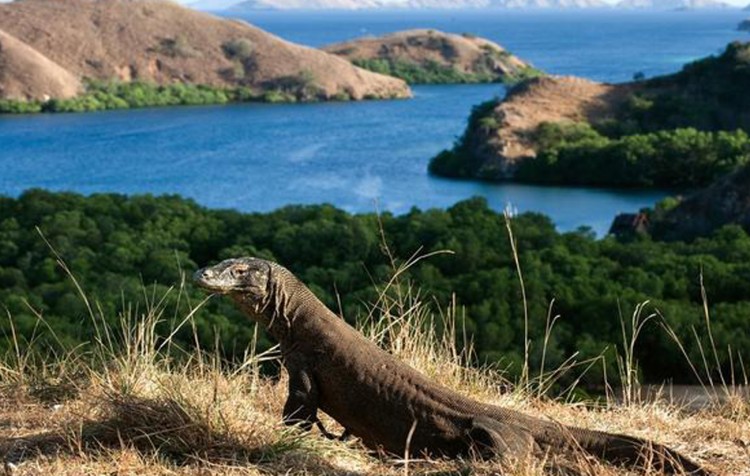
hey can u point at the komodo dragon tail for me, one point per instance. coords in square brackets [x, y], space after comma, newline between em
[619, 449]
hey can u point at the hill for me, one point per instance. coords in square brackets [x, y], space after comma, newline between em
[429, 56]
[101, 407]
[163, 43]
[684, 129]
[131, 411]
[26, 74]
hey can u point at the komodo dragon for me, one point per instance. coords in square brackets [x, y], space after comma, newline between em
[387, 404]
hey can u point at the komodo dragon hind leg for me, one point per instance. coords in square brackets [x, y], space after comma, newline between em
[490, 438]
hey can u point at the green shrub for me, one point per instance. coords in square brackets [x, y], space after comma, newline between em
[238, 49]
[12, 106]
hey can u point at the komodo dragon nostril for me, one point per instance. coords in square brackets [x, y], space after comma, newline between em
[202, 275]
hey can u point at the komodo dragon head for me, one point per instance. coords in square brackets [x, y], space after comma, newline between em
[261, 288]
[246, 280]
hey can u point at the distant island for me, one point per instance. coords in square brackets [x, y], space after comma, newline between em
[681, 130]
[84, 55]
[663, 5]
[744, 25]
[415, 4]
[434, 57]
[672, 4]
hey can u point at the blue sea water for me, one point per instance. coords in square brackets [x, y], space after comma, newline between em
[358, 156]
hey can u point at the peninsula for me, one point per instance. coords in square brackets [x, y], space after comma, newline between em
[435, 57]
[681, 130]
[84, 55]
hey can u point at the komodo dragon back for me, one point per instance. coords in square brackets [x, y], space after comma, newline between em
[387, 404]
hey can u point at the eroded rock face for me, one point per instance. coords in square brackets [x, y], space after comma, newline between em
[465, 54]
[726, 201]
[162, 42]
[26, 74]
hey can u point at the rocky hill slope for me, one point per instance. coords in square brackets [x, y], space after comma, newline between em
[596, 122]
[162, 42]
[27, 74]
[727, 201]
[429, 56]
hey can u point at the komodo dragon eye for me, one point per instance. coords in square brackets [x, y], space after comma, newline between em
[240, 272]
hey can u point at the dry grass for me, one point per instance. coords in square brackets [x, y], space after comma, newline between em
[128, 408]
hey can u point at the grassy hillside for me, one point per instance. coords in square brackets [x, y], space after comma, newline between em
[132, 402]
[680, 130]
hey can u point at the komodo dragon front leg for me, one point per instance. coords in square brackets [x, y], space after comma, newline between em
[301, 407]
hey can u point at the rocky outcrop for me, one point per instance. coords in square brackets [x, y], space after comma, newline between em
[162, 42]
[26, 74]
[462, 58]
[725, 202]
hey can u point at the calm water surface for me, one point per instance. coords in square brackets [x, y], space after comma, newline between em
[358, 156]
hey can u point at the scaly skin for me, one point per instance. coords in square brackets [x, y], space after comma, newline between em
[381, 400]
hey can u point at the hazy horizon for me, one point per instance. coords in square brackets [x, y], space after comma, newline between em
[224, 3]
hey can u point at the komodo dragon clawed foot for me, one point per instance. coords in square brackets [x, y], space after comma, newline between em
[492, 439]
[384, 402]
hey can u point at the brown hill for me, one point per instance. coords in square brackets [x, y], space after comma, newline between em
[26, 74]
[508, 136]
[469, 57]
[707, 95]
[162, 42]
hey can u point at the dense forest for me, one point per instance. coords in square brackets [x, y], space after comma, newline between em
[104, 95]
[128, 251]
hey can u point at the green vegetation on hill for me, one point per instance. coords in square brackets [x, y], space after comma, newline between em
[462, 161]
[432, 72]
[576, 154]
[117, 246]
[681, 130]
[101, 96]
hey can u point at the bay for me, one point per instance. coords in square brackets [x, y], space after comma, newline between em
[361, 157]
